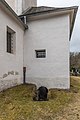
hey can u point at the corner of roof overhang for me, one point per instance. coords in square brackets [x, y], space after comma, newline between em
[73, 21]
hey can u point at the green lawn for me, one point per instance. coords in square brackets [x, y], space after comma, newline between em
[17, 104]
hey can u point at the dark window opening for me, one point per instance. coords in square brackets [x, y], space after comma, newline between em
[22, 18]
[10, 40]
[40, 53]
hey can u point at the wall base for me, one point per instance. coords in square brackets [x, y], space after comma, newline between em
[60, 83]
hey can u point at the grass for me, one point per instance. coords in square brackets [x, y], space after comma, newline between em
[17, 104]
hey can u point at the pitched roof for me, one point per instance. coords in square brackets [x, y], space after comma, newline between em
[32, 11]
[10, 10]
[44, 9]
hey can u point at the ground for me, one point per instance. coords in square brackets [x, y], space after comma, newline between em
[72, 111]
[17, 104]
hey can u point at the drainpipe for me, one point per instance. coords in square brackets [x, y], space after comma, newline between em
[24, 75]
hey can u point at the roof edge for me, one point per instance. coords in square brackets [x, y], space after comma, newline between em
[56, 10]
[74, 18]
[13, 13]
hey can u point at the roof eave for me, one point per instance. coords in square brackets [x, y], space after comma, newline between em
[74, 18]
[72, 8]
[4, 3]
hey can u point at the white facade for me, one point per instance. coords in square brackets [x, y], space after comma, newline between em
[20, 5]
[11, 3]
[11, 65]
[29, 3]
[51, 34]
[49, 30]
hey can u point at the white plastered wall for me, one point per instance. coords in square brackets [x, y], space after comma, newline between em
[29, 3]
[20, 5]
[51, 34]
[16, 5]
[11, 65]
[11, 3]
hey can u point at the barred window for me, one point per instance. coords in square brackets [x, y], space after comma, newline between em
[10, 40]
[40, 53]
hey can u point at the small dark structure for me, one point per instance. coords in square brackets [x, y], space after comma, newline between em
[24, 75]
[41, 94]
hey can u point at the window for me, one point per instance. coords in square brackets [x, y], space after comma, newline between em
[10, 40]
[40, 53]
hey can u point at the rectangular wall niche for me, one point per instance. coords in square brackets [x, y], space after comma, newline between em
[40, 53]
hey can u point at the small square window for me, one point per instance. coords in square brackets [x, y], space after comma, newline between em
[10, 40]
[40, 53]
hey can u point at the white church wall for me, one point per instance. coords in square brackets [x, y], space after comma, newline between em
[11, 65]
[16, 5]
[20, 5]
[29, 3]
[11, 3]
[53, 35]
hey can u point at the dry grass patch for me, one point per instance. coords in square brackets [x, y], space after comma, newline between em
[17, 104]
